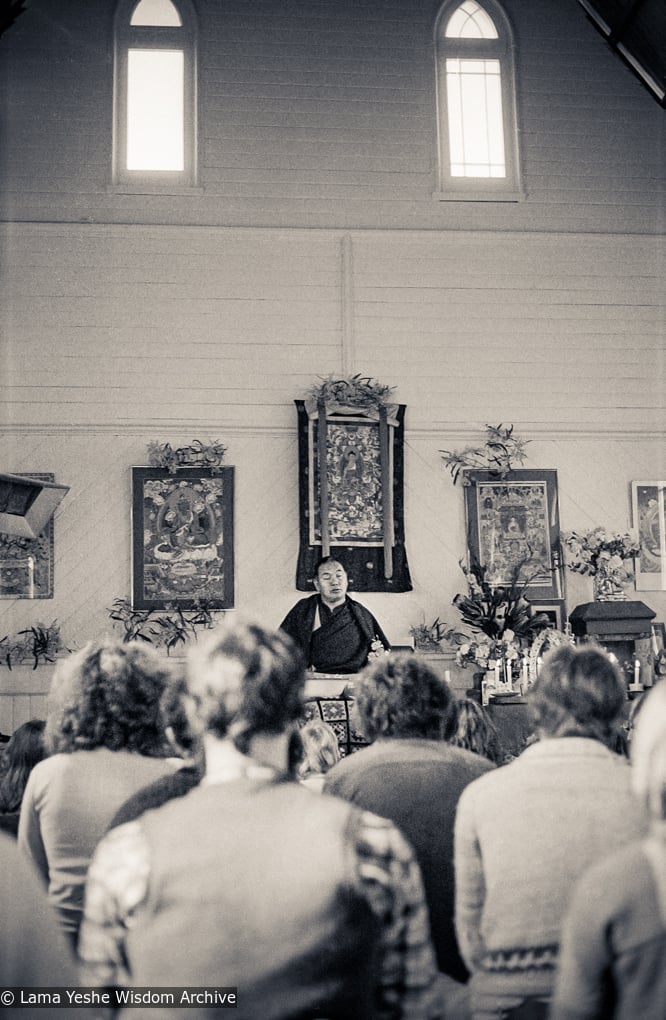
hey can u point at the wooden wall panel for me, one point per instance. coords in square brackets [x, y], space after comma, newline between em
[324, 115]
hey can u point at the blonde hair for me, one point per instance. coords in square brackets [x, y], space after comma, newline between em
[320, 748]
[648, 753]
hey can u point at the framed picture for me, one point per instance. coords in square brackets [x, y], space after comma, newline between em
[553, 611]
[658, 637]
[26, 564]
[647, 501]
[514, 522]
[182, 538]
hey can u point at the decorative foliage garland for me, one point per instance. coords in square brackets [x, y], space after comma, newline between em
[356, 391]
[499, 455]
[197, 454]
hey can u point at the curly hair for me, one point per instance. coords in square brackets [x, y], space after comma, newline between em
[580, 692]
[320, 748]
[108, 695]
[24, 750]
[401, 696]
[246, 680]
[475, 731]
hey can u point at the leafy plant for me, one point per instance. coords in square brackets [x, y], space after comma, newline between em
[165, 628]
[429, 635]
[499, 454]
[41, 642]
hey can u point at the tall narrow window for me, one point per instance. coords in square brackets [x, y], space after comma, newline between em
[155, 93]
[478, 143]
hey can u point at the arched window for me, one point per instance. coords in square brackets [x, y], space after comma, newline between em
[476, 95]
[155, 129]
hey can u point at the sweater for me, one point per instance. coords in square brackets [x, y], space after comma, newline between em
[416, 784]
[523, 836]
[67, 806]
[613, 956]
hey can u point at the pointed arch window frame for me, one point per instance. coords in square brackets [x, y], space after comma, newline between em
[183, 37]
[509, 188]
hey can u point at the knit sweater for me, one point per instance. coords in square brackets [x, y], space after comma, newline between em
[613, 957]
[523, 835]
[68, 804]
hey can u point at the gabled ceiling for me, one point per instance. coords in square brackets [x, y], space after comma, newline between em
[636, 29]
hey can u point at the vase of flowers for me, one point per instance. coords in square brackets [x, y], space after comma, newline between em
[606, 557]
[502, 622]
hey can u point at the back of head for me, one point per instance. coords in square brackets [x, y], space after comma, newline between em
[108, 695]
[24, 750]
[475, 731]
[246, 680]
[648, 753]
[580, 692]
[319, 747]
[401, 696]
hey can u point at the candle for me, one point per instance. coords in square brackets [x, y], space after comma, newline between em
[497, 673]
[637, 671]
[31, 577]
[447, 676]
[526, 673]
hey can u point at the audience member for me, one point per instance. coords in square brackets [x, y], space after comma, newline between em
[24, 750]
[105, 731]
[186, 745]
[34, 954]
[613, 959]
[320, 752]
[412, 775]
[475, 731]
[525, 832]
[306, 905]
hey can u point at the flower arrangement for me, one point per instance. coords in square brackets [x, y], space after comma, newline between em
[501, 613]
[603, 554]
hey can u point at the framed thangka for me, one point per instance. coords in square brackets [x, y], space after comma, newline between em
[649, 520]
[351, 493]
[26, 564]
[513, 522]
[182, 538]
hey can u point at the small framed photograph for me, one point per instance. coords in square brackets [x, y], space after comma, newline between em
[182, 538]
[513, 521]
[647, 502]
[553, 612]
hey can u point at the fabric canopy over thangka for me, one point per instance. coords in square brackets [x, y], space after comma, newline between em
[353, 509]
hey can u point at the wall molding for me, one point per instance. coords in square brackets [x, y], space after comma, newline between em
[450, 430]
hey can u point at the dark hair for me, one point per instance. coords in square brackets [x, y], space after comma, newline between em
[401, 696]
[108, 695]
[323, 561]
[580, 692]
[475, 731]
[24, 750]
[246, 680]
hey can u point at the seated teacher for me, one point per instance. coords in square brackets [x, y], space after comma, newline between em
[335, 633]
